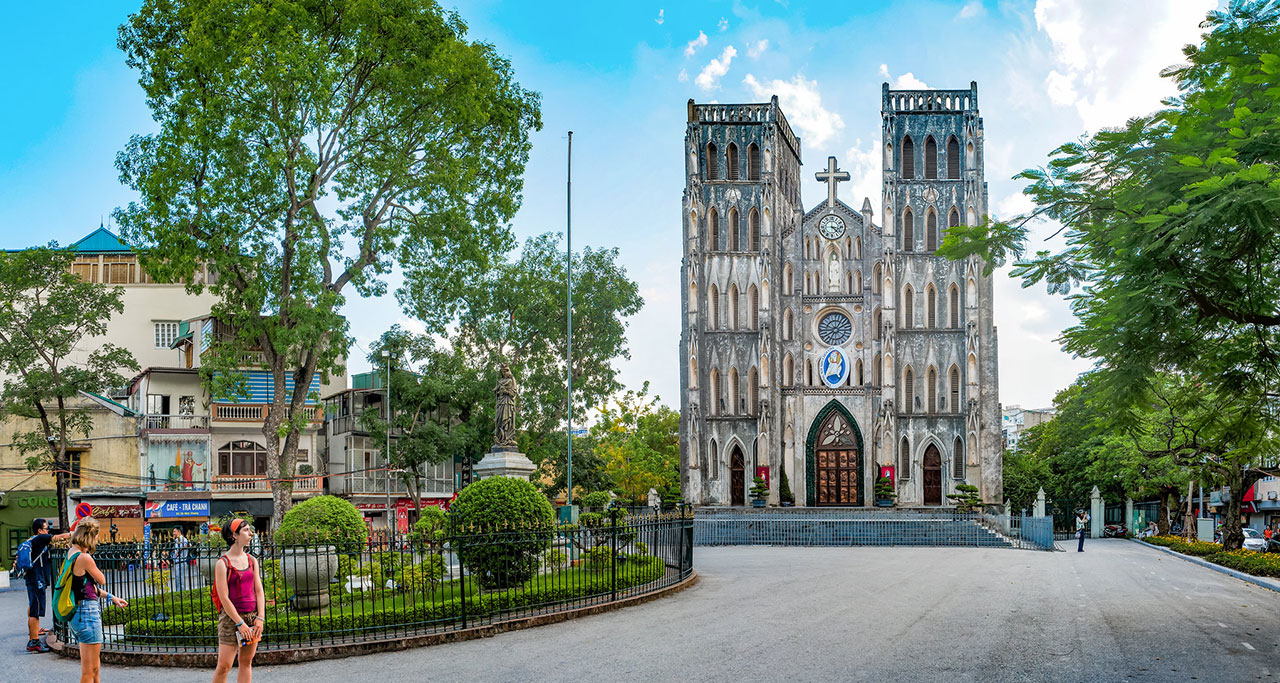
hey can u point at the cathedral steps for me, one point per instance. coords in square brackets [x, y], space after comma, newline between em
[932, 527]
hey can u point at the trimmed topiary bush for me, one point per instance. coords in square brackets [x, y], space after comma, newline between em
[595, 501]
[323, 520]
[428, 531]
[421, 577]
[500, 527]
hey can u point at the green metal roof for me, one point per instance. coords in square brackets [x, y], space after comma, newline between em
[100, 241]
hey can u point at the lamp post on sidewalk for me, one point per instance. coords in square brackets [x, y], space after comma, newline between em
[386, 357]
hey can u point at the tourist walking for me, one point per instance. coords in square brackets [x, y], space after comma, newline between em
[37, 578]
[178, 560]
[240, 597]
[1082, 523]
[86, 623]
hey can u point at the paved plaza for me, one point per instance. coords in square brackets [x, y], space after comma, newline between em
[1118, 612]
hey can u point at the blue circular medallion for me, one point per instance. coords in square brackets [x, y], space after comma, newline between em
[834, 367]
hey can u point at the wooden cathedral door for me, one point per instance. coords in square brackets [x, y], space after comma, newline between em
[836, 463]
[932, 476]
[737, 478]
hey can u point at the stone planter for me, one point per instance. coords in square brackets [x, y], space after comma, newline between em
[757, 502]
[308, 570]
[206, 562]
[884, 502]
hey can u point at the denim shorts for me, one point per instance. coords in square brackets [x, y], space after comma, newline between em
[86, 625]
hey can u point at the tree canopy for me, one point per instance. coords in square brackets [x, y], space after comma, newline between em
[304, 149]
[48, 317]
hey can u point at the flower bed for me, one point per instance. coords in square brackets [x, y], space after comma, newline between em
[1247, 561]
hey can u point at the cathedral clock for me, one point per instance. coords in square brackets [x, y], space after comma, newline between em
[831, 227]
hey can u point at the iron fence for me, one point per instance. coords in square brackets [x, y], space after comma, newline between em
[391, 588]
[871, 527]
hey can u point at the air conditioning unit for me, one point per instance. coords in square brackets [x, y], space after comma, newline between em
[1271, 495]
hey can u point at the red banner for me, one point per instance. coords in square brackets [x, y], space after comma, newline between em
[763, 472]
[887, 471]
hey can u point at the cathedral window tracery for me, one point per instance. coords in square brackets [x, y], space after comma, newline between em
[835, 328]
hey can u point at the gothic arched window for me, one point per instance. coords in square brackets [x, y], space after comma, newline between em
[876, 370]
[717, 401]
[713, 171]
[754, 296]
[957, 459]
[753, 162]
[733, 307]
[955, 389]
[715, 459]
[713, 307]
[753, 235]
[733, 230]
[908, 390]
[955, 307]
[933, 391]
[931, 307]
[787, 325]
[858, 369]
[953, 159]
[931, 231]
[930, 158]
[904, 459]
[788, 371]
[875, 325]
[731, 162]
[908, 308]
[753, 384]
[953, 219]
[875, 279]
[788, 280]
[908, 164]
[908, 230]
[734, 408]
[713, 221]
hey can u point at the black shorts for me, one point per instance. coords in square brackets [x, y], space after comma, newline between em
[35, 600]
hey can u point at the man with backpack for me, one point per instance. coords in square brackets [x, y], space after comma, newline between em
[33, 558]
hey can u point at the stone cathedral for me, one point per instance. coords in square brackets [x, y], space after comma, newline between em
[820, 342]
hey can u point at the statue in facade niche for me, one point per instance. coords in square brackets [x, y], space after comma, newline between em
[504, 429]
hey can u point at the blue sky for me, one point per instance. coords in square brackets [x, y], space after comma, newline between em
[619, 75]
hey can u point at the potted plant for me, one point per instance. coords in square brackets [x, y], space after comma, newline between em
[787, 498]
[312, 534]
[968, 499]
[759, 491]
[884, 493]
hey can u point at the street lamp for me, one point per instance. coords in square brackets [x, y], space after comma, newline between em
[386, 358]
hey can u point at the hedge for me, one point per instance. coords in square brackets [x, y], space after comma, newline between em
[285, 628]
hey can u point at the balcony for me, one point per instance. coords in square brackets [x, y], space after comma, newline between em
[378, 485]
[249, 483]
[175, 422]
[252, 412]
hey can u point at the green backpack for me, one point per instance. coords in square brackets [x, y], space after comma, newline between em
[64, 599]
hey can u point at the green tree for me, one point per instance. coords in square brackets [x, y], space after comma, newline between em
[639, 440]
[438, 407]
[304, 150]
[515, 313]
[47, 318]
[1170, 226]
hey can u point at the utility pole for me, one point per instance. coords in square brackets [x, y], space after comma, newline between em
[386, 358]
[568, 365]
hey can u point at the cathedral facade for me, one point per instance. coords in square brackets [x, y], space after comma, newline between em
[825, 345]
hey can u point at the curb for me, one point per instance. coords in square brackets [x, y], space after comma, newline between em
[1250, 578]
[210, 659]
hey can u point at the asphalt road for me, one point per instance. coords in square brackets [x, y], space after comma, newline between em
[1117, 612]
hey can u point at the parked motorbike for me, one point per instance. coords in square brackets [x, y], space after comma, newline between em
[1115, 531]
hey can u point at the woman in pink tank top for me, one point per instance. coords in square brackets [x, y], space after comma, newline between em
[238, 581]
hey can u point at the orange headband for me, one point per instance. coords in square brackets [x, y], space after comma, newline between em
[235, 525]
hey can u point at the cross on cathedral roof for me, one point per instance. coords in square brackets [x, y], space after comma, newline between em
[831, 176]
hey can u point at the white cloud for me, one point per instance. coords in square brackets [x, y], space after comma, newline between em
[659, 20]
[884, 71]
[802, 102]
[692, 47]
[972, 9]
[754, 51]
[1102, 66]
[683, 77]
[864, 166]
[724, 24]
[709, 78]
[908, 81]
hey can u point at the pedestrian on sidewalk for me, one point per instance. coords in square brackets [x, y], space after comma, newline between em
[178, 560]
[37, 579]
[1082, 523]
[86, 623]
[239, 586]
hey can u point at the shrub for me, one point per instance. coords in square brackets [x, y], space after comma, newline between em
[516, 521]
[323, 519]
[214, 541]
[595, 501]
[422, 576]
[597, 528]
[1249, 561]
[968, 499]
[759, 489]
[784, 487]
[159, 581]
[556, 558]
[428, 531]
[884, 489]
[1193, 547]
[274, 586]
[598, 558]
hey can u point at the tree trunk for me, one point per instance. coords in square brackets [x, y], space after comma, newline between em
[1232, 535]
[1189, 520]
[1167, 495]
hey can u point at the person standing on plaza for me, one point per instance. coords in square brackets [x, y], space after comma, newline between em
[86, 624]
[37, 578]
[178, 560]
[239, 585]
[1082, 525]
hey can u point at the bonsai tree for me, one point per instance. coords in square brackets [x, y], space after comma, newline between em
[759, 489]
[968, 499]
[500, 527]
[327, 520]
[595, 501]
[784, 487]
[884, 489]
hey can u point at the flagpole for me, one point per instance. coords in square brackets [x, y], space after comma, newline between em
[568, 255]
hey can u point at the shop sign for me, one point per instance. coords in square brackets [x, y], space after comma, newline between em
[177, 508]
[38, 502]
[108, 511]
[371, 506]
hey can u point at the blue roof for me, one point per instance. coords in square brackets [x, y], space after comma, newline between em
[100, 241]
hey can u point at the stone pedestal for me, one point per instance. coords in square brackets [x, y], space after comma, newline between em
[1096, 511]
[1040, 503]
[504, 464]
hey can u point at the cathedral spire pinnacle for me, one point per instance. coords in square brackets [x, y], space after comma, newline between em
[831, 176]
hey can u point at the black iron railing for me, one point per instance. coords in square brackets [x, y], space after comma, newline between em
[391, 588]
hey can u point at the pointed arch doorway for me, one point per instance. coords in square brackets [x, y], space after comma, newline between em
[737, 477]
[834, 459]
[932, 476]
